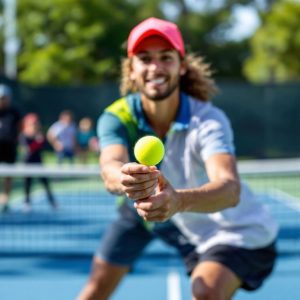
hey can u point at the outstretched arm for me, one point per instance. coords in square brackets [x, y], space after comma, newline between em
[222, 191]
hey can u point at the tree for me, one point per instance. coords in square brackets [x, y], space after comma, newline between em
[75, 42]
[276, 45]
[70, 41]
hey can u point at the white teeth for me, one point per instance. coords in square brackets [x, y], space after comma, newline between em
[158, 81]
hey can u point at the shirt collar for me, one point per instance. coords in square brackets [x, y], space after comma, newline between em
[183, 116]
[181, 121]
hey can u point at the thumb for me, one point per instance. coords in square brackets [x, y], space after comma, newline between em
[162, 182]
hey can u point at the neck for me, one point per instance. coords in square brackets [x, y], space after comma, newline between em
[161, 114]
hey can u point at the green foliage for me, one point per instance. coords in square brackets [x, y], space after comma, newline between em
[80, 42]
[205, 34]
[276, 45]
[71, 41]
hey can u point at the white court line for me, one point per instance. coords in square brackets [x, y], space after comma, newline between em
[285, 198]
[173, 286]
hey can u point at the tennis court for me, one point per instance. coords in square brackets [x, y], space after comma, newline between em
[46, 254]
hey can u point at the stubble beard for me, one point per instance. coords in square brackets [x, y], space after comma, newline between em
[160, 96]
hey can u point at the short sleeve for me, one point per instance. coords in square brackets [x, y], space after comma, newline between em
[54, 129]
[111, 131]
[215, 134]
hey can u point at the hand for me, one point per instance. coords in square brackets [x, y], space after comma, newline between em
[58, 146]
[162, 205]
[138, 181]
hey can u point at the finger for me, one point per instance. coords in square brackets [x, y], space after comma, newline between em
[141, 186]
[153, 202]
[132, 168]
[163, 182]
[152, 168]
[138, 178]
[141, 194]
[146, 204]
[154, 216]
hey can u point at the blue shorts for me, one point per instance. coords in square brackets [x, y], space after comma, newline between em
[65, 154]
[251, 266]
[127, 237]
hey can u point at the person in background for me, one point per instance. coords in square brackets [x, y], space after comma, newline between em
[62, 137]
[32, 143]
[166, 93]
[10, 119]
[86, 139]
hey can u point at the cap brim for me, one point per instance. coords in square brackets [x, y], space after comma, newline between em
[151, 27]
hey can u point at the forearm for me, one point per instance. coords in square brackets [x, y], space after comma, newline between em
[211, 197]
[221, 192]
[54, 142]
[50, 137]
[111, 174]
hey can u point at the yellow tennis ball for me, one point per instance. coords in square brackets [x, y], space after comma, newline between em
[149, 150]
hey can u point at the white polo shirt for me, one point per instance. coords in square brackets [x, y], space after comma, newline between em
[199, 131]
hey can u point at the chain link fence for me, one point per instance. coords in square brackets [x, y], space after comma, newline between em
[265, 118]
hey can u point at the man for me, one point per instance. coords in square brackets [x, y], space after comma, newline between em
[62, 136]
[196, 186]
[9, 129]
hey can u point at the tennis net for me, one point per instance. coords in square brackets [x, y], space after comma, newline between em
[85, 209]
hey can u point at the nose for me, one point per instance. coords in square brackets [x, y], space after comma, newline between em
[154, 65]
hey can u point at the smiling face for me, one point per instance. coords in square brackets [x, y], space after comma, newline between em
[156, 68]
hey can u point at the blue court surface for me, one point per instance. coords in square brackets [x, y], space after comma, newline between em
[158, 274]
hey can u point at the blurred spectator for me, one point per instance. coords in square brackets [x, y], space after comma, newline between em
[32, 143]
[10, 119]
[86, 139]
[62, 136]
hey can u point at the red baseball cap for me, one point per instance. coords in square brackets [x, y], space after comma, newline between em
[154, 26]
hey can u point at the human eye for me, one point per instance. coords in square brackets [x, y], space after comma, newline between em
[145, 59]
[167, 58]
